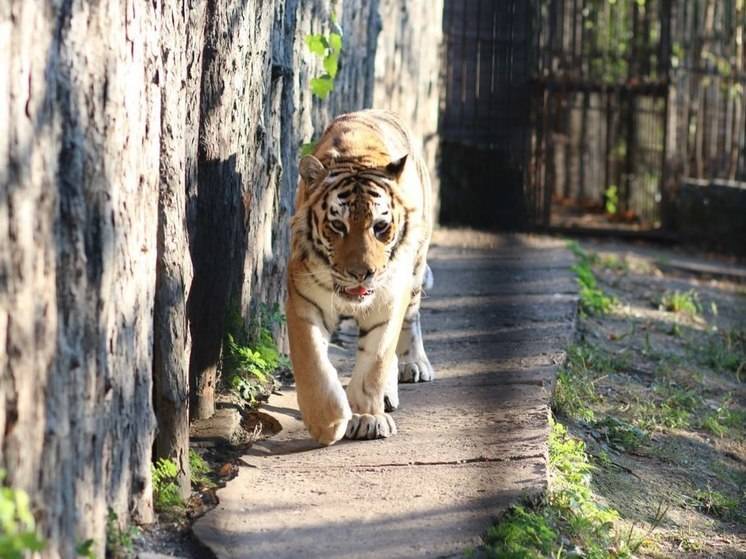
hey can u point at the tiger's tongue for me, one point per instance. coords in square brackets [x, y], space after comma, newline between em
[359, 291]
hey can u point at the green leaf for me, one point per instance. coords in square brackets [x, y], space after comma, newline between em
[331, 64]
[335, 42]
[322, 86]
[317, 44]
[85, 549]
[307, 148]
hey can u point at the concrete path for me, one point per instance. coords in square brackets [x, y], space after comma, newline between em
[469, 444]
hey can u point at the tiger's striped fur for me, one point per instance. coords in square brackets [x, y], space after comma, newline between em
[360, 236]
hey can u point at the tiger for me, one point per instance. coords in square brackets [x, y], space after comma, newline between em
[360, 235]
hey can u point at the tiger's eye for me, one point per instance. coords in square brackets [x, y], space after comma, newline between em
[338, 226]
[381, 227]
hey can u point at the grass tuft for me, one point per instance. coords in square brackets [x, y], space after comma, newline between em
[725, 352]
[592, 298]
[681, 302]
[576, 381]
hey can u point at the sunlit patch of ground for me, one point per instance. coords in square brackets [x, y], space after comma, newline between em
[669, 413]
[654, 392]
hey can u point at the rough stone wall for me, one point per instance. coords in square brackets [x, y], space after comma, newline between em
[407, 71]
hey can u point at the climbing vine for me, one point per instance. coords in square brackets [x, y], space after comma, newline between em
[327, 47]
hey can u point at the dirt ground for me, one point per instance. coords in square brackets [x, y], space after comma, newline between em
[661, 402]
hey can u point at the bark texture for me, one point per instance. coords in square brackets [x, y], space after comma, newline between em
[148, 163]
[78, 200]
[407, 71]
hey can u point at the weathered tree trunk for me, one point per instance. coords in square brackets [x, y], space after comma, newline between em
[407, 71]
[78, 198]
[181, 40]
[148, 163]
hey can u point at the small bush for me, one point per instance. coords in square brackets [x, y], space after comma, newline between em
[251, 357]
[621, 434]
[328, 48]
[166, 493]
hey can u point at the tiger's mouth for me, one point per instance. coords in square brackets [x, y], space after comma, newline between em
[357, 293]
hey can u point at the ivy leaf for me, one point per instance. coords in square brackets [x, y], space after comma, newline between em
[307, 148]
[335, 42]
[317, 44]
[322, 86]
[331, 64]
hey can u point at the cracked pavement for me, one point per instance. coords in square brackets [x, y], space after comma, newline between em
[470, 444]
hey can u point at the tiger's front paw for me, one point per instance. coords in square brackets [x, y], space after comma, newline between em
[326, 417]
[416, 370]
[367, 426]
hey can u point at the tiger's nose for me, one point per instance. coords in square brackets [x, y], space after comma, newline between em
[362, 273]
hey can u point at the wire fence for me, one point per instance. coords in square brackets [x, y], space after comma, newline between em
[601, 108]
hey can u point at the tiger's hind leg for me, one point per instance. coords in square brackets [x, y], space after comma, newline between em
[414, 366]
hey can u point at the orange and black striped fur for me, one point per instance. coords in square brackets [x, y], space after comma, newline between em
[361, 232]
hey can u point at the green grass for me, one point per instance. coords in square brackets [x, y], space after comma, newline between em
[620, 434]
[670, 406]
[714, 503]
[576, 380]
[120, 539]
[681, 302]
[724, 352]
[612, 263]
[725, 420]
[570, 518]
[521, 534]
[200, 470]
[592, 298]
[18, 534]
[166, 493]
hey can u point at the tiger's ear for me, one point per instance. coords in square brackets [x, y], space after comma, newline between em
[311, 170]
[395, 168]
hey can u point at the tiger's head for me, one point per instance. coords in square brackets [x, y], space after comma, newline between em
[352, 219]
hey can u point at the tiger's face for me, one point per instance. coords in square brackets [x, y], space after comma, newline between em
[355, 223]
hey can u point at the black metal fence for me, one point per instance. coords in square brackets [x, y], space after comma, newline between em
[588, 112]
[484, 122]
[602, 92]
